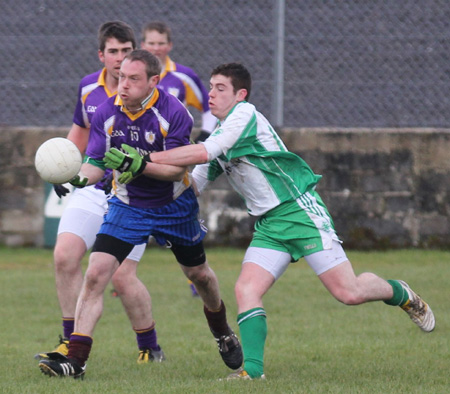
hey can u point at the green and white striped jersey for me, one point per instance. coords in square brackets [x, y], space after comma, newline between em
[255, 160]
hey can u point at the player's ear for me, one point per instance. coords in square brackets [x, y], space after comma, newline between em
[101, 56]
[242, 94]
[154, 79]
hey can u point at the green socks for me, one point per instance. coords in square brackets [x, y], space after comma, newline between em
[253, 330]
[400, 294]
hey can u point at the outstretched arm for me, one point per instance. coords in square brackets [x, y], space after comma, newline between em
[164, 172]
[131, 164]
[182, 156]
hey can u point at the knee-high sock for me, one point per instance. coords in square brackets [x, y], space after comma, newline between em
[253, 330]
[147, 338]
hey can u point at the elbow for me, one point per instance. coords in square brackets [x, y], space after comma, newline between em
[179, 177]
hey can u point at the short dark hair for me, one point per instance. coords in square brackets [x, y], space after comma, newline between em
[158, 26]
[115, 29]
[152, 64]
[240, 76]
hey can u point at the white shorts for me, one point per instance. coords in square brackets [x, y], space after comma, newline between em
[83, 217]
[89, 199]
[276, 261]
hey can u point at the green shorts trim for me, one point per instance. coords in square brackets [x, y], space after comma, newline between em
[299, 227]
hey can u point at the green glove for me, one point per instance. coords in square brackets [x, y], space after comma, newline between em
[132, 162]
[126, 177]
[79, 181]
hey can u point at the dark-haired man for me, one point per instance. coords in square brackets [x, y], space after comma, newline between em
[279, 188]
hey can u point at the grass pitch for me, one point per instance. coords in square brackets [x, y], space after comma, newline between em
[314, 345]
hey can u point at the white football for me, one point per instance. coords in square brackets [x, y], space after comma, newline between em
[58, 160]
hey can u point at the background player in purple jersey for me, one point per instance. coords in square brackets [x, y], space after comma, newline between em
[179, 80]
[176, 79]
[158, 201]
[83, 216]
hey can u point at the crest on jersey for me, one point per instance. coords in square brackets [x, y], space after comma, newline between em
[150, 137]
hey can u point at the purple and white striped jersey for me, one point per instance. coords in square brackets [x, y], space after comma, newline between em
[164, 123]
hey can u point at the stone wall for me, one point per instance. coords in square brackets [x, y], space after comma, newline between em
[386, 188]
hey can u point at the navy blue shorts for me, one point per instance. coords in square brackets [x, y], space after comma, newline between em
[176, 222]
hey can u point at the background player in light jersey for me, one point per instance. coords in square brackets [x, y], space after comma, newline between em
[176, 79]
[83, 216]
[161, 203]
[279, 188]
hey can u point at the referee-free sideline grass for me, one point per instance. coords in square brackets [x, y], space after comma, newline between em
[314, 344]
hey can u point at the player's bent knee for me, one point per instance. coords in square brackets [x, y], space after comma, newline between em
[92, 278]
[245, 290]
[199, 276]
[65, 263]
[119, 282]
[62, 255]
[347, 297]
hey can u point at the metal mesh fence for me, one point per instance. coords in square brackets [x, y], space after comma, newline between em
[378, 63]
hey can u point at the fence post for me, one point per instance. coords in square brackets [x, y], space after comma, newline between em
[278, 68]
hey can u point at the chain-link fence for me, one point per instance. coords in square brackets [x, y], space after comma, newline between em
[377, 63]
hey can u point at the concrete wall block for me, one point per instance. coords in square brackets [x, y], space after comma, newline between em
[383, 187]
[434, 224]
